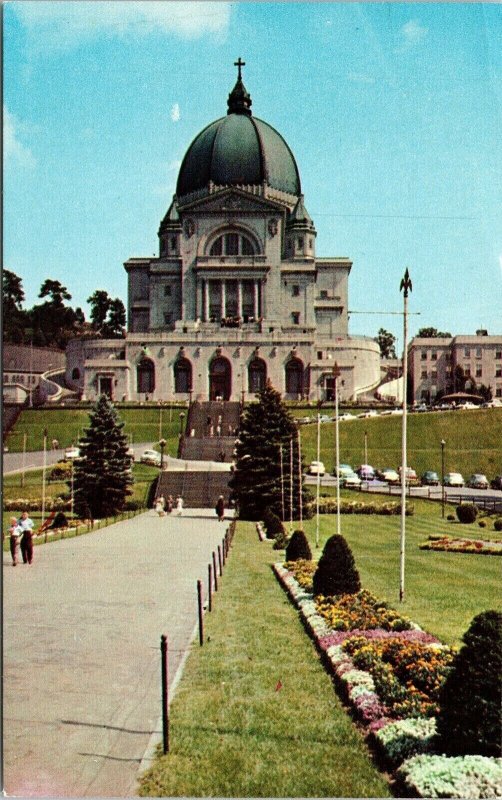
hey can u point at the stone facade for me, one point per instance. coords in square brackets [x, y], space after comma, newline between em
[432, 363]
[237, 294]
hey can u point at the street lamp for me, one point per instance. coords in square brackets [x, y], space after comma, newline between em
[162, 444]
[443, 443]
[182, 417]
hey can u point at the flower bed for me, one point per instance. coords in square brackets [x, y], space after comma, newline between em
[327, 505]
[390, 672]
[457, 544]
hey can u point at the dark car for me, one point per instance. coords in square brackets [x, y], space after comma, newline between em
[477, 481]
[430, 478]
[496, 483]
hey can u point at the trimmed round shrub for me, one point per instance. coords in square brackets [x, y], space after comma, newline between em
[272, 524]
[467, 513]
[482, 523]
[336, 571]
[451, 517]
[59, 521]
[469, 721]
[298, 547]
[280, 539]
[498, 524]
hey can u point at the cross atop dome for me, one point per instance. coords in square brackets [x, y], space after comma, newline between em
[239, 63]
[239, 100]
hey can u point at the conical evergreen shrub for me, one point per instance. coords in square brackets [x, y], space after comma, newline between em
[470, 719]
[272, 524]
[298, 547]
[336, 571]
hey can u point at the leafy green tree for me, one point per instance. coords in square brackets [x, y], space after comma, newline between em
[103, 472]
[265, 428]
[116, 319]
[433, 333]
[52, 322]
[387, 343]
[100, 303]
[108, 316]
[15, 319]
[55, 291]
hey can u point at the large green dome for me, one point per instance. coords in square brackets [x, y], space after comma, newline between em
[238, 149]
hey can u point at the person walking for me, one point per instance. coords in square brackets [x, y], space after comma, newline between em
[220, 508]
[15, 533]
[26, 526]
[169, 504]
[179, 505]
[160, 505]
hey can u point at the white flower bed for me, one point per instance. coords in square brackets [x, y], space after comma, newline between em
[452, 777]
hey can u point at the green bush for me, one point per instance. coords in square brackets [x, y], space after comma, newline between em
[298, 547]
[469, 721]
[336, 571]
[451, 517]
[482, 523]
[61, 471]
[272, 524]
[467, 513]
[280, 539]
[498, 524]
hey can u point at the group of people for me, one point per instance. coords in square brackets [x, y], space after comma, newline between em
[163, 506]
[21, 536]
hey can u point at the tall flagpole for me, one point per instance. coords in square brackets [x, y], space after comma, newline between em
[318, 478]
[300, 497]
[291, 485]
[404, 287]
[336, 375]
[282, 483]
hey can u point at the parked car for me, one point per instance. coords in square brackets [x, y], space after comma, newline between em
[367, 414]
[453, 479]
[366, 472]
[71, 453]
[350, 481]
[388, 475]
[150, 457]
[421, 407]
[345, 417]
[496, 483]
[343, 469]
[478, 481]
[411, 475]
[316, 468]
[430, 478]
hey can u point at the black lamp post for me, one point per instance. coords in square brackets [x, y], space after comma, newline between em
[162, 444]
[442, 477]
[182, 417]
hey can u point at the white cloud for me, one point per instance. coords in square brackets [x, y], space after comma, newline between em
[14, 149]
[62, 25]
[411, 34]
[175, 112]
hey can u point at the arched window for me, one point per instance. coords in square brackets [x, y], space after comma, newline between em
[145, 376]
[182, 376]
[257, 375]
[294, 377]
[220, 379]
[75, 375]
[232, 244]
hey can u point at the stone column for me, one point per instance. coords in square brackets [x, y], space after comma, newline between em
[239, 299]
[256, 304]
[205, 312]
[223, 299]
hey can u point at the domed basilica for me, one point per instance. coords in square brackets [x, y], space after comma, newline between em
[237, 294]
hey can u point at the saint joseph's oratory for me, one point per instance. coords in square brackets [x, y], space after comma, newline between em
[237, 294]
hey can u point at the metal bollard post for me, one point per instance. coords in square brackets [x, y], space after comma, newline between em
[165, 696]
[201, 616]
[219, 560]
[209, 587]
[223, 555]
[215, 573]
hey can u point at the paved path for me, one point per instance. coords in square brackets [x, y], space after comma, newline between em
[82, 630]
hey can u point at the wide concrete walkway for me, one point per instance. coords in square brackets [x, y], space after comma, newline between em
[82, 630]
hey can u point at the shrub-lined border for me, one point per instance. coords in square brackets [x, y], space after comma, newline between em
[404, 745]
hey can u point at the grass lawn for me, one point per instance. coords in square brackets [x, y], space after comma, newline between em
[233, 734]
[443, 591]
[472, 441]
[67, 426]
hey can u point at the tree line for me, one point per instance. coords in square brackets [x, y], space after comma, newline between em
[53, 322]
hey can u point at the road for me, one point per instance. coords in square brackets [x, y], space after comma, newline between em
[13, 462]
[82, 630]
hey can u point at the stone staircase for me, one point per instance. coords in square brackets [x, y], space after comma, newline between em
[198, 489]
[211, 430]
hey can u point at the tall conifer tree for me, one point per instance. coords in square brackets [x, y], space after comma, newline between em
[102, 474]
[265, 427]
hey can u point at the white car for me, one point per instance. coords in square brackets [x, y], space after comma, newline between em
[453, 479]
[316, 468]
[351, 481]
[150, 457]
[345, 417]
[71, 453]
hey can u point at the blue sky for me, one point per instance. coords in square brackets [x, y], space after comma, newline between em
[393, 112]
